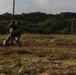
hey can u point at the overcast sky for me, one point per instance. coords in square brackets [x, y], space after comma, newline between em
[46, 6]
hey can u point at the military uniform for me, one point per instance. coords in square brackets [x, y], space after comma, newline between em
[15, 34]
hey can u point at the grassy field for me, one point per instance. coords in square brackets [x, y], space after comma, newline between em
[39, 55]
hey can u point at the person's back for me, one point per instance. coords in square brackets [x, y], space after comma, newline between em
[16, 30]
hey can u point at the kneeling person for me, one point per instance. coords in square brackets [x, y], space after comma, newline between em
[15, 34]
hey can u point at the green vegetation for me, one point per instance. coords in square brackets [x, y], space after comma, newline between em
[39, 55]
[40, 22]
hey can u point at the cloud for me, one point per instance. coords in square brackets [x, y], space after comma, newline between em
[33, 6]
[5, 6]
[47, 6]
[62, 6]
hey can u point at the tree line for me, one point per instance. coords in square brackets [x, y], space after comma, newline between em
[38, 22]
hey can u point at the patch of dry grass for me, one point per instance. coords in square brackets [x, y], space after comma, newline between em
[39, 55]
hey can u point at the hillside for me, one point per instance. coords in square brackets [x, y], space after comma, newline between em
[39, 55]
[40, 23]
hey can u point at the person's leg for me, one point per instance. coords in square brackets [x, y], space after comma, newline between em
[5, 42]
[17, 39]
[11, 40]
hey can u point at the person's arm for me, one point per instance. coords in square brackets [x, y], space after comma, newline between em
[10, 27]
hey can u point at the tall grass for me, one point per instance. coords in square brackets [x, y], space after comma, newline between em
[39, 55]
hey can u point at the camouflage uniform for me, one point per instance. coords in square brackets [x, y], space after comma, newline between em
[15, 34]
